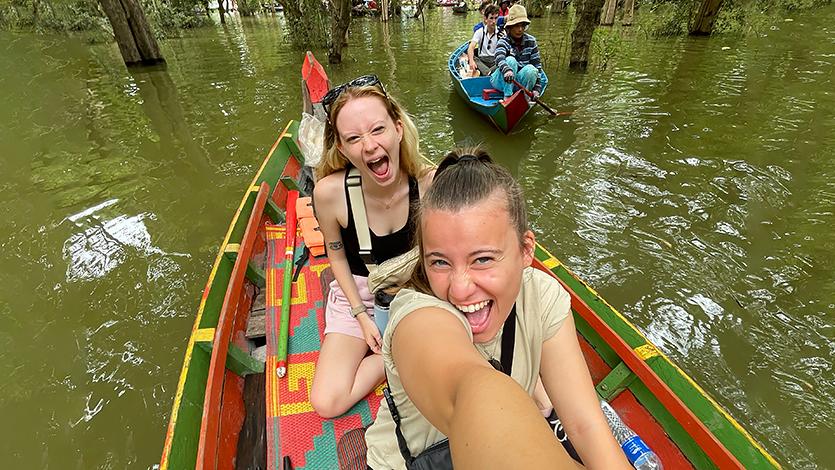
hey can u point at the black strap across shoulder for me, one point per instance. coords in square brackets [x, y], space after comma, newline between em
[437, 455]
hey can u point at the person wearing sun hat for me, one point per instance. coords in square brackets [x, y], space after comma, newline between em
[517, 56]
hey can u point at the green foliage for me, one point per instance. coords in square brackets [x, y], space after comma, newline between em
[554, 51]
[673, 17]
[308, 23]
[666, 18]
[606, 44]
[248, 7]
[166, 17]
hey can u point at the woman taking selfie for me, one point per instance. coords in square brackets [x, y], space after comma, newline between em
[464, 347]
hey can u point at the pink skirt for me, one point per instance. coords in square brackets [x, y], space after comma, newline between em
[338, 317]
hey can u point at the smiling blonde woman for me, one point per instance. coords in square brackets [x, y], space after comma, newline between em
[367, 130]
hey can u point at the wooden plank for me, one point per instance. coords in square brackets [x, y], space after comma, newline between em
[252, 440]
[256, 327]
[210, 425]
[274, 212]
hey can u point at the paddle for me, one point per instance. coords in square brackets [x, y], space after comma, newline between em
[539, 102]
[289, 248]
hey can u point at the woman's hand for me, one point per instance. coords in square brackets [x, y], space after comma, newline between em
[371, 333]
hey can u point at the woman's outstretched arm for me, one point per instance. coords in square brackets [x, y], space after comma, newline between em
[567, 380]
[490, 420]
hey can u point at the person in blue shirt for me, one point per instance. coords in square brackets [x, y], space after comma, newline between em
[517, 56]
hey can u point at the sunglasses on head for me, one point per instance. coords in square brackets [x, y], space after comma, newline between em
[365, 80]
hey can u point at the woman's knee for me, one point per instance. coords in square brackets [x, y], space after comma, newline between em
[326, 404]
[528, 71]
[512, 63]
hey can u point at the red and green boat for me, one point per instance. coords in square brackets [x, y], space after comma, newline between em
[232, 411]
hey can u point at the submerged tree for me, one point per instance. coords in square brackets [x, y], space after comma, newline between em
[588, 15]
[132, 31]
[703, 23]
[340, 16]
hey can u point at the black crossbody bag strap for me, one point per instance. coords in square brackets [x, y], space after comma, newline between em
[509, 341]
[508, 345]
[395, 415]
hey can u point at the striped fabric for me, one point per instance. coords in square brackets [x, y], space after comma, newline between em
[527, 52]
[351, 450]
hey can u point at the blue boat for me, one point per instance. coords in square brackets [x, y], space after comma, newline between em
[480, 95]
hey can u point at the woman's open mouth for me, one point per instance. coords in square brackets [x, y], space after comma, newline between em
[477, 314]
[380, 166]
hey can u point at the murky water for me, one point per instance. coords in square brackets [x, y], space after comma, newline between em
[693, 187]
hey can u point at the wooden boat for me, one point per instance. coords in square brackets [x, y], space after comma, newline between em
[218, 419]
[480, 95]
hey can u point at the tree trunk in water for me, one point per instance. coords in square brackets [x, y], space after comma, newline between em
[703, 25]
[628, 12]
[222, 10]
[340, 20]
[384, 10]
[133, 34]
[421, 5]
[588, 15]
[609, 10]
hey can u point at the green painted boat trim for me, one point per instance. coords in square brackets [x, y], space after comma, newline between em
[735, 438]
[180, 449]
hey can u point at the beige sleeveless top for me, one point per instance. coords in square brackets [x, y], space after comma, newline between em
[541, 308]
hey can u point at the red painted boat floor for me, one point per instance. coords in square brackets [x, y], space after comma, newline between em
[635, 415]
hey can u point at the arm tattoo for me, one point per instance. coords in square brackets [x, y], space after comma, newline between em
[337, 245]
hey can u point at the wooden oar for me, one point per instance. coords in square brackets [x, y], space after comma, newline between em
[539, 102]
[286, 298]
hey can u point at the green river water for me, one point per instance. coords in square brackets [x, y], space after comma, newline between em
[692, 187]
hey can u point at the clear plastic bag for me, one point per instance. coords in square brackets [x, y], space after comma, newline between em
[311, 139]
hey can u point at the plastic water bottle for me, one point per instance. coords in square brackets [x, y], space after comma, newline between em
[639, 454]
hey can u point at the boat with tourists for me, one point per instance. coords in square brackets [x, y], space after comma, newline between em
[262, 313]
[480, 95]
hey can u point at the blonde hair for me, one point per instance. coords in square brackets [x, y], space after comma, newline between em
[411, 160]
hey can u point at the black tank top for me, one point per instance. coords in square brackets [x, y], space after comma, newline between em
[382, 247]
